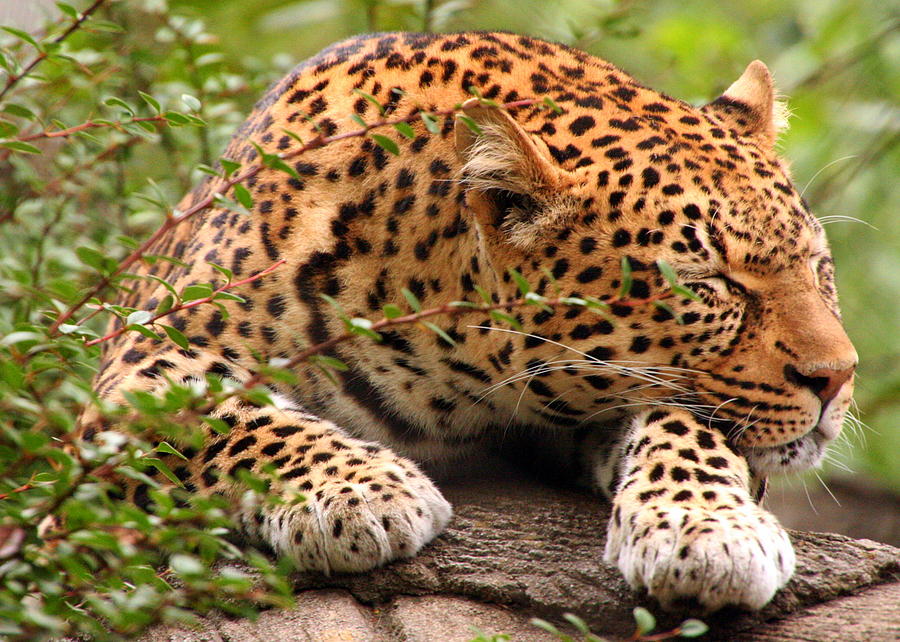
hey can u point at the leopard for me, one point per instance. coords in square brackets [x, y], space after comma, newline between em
[526, 155]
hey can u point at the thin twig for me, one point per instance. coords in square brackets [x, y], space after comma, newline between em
[89, 124]
[13, 80]
[191, 304]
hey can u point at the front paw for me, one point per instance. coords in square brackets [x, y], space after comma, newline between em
[386, 510]
[715, 555]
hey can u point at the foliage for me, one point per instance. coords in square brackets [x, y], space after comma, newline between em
[644, 622]
[107, 117]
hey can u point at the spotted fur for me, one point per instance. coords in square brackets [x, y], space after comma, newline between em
[678, 421]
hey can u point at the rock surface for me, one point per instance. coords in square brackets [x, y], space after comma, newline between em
[517, 550]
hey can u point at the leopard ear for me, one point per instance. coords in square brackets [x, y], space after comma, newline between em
[749, 106]
[510, 182]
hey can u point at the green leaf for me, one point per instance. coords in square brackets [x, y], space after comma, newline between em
[191, 102]
[90, 257]
[533, 298]
[440, 332]
[165, 305]
[506, 318]
[186, 565]
[67, 9]
[391, 311]
[386, 144]
[8, 129]
[361, 326]
[431, 123]
[220, 426]
[371, 99]
[113, 101]
[483, 294]
[162, 467]
[15, 109]
[293, 135]
[70, 328]
[545, 625]
[412, 300]
[176, 119]
[577, 622]
[144, 330]
[105, 25]
[405, 129]
[229, 166]
[21, 336]
[276, 162]
[22, 35]
[138, 317]
[198, 291]
[243, 196]
[168, 286]
[356, 118]
[19, 146]
[166, 447]
[521, 282]
[692, 628]
[228, 204]
[329, 362]
[334, 304]
[625, 288]
[667, 308]
[549, 102]
[151, 101]
[468, 122]
[668, 273]
[644, 620]
[176, 336]
[686, 292]
[229, 296]
[224, 271]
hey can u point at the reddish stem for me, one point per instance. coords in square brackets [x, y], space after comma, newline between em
[90, 124]
[192, 304]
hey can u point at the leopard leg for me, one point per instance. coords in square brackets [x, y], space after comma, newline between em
[349, 505]
[684, 524]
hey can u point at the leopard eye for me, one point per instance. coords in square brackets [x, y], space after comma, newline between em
[721, 284]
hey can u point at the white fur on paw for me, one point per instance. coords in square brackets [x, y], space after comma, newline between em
[739, 556]
[354, 526]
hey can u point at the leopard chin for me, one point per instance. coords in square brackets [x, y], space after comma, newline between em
[795, 456]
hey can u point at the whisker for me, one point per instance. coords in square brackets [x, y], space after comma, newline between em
[842, 218]
[825, 486]
[814, 176]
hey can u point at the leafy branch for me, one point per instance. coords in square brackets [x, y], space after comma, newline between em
[189, 298]
[88, 124]
[46, 50]
[644, 621]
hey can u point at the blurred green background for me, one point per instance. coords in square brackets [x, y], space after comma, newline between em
[836, 60]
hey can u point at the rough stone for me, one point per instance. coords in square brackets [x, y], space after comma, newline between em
[517, 549]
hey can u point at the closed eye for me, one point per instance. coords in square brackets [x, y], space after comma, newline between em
[720, 283]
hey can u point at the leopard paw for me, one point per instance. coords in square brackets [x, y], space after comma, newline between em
[716, 556]
[388, 510]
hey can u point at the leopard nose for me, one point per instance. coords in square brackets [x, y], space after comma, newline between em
[824, 382]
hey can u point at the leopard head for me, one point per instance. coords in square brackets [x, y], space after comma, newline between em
[760, 353]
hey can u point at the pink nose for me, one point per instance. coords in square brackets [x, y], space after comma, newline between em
[824, 382]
